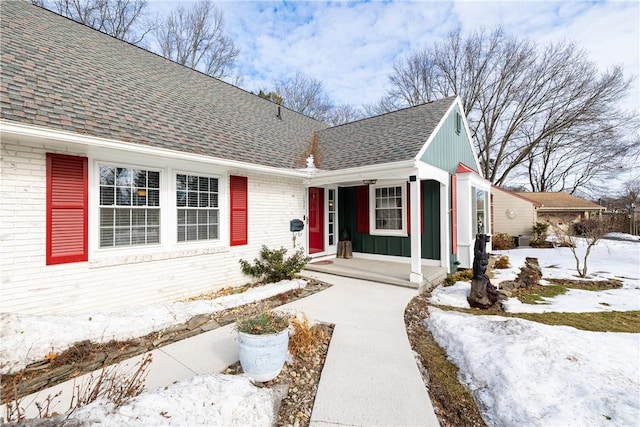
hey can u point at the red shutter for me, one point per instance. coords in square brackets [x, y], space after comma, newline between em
[454, 213]
[238, 219]
[362, 209]
[67, 209]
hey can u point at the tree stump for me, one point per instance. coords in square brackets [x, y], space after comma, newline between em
[344, 249]
[483, 294]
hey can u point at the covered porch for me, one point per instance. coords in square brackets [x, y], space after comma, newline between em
[388, 272]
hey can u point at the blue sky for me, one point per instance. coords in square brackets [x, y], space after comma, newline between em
[351, 46]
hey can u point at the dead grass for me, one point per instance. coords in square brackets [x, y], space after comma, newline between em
[606, 321]
[536, 294]
[453, 403]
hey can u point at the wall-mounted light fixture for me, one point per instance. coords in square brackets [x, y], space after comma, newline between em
[369, 181]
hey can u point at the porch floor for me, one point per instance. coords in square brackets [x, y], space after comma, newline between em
[388, 272]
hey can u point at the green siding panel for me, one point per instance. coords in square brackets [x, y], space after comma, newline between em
[389, 245]
[449, 148]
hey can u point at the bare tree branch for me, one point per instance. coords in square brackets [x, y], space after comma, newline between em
[540, 111]
[195, 38]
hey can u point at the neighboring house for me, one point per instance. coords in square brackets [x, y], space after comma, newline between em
[513, 214]
[562, 209]
[127, 178]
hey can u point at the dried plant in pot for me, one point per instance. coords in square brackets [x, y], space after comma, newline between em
[263, 340]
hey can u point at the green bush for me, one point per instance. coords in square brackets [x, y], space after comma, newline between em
[502, 241]
[539, 234]
[273, 267]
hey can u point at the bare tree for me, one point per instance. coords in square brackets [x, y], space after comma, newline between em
[305, 95]
[581, 237]
[344, 113]
[195, 38]
[542, 111]
[123, 19]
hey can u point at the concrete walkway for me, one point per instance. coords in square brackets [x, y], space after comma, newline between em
[370, 377]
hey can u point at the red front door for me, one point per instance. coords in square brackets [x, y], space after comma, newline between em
[316, 220]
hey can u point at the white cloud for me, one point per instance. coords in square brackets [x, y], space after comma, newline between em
[351, 46]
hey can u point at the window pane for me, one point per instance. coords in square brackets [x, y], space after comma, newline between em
[202, 232]
[138, 217]
[153, 235]
[192, 183]
[193, 199]
[181, 182]
[139, 178]
[107, 196]
[192, 232]
[182, 235]
[153, 179]
[106, 217]
[192, 217]
[106, 237]
[124, 196]
[204, 200]
[182, 216]
[123, 217]
[213, 231]
[181, 198]
[203, 184]
[153, 216]
[213, 185]
[107, 175]
[123, 237]
[153, 197]
[138, 235]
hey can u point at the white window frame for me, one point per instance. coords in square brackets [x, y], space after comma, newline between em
[372, 209]
[96, 185]
[174, 220]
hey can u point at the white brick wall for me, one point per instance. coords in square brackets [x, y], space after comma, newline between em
[120, 277]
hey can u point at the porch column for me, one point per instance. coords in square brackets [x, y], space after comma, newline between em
[416, 243]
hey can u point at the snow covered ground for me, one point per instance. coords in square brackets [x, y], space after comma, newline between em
[216, 399]
[521, 372]
[526, 373]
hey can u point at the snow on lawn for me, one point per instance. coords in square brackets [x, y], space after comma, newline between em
[608, 259]
[28, 338]
[525, 373]
[211, 400]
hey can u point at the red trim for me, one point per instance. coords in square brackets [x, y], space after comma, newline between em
[462, 168]
[67, 209]
[362, 209]
[454, 214]
[239, 211]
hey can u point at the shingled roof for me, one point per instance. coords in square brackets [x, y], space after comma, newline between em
[387, 138]
[559, 201]
[59, 74]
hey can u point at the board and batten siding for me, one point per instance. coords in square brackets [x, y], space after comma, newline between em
[449, 147]
[512, 214]
[120, 277]
[349, 218]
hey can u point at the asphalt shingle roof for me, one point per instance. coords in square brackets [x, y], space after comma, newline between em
[559, 200]
[63, 75]
[387, 138]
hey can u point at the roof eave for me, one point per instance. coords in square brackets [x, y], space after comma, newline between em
[8, 128]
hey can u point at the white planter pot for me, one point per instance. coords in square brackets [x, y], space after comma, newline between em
[262, 356]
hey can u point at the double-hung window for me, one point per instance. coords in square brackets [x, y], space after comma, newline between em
[129, 206]
[198, 208]
[388, 210]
